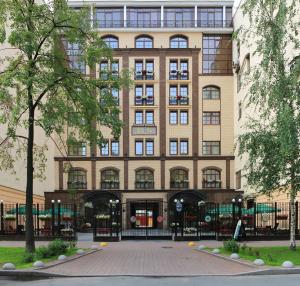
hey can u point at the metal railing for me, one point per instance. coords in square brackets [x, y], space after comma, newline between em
[179, 185]
[178, 100]
[110, 185]
[148, 100]
[144, 185]
[179, 75]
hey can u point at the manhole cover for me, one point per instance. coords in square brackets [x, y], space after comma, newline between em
[167, 247]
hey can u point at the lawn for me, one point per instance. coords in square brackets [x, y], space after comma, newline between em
[273, 256]
[15, 255]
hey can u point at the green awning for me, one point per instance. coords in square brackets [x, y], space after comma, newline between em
[21, 210]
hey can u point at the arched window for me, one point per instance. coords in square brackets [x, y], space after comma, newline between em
[211, 178]
[110, 179]
[179, 179]
[77, 179]
[178, 42]
[211, 92]
[111, 41]
[144, 179]
[144, 42]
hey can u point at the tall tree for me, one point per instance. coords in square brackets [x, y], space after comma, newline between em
[272, 133]
[43, 83]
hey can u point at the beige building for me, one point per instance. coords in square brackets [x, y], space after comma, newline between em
[178, 136]
[243, 60]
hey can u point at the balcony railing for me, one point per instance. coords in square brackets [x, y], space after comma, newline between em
[144, 130]
[105, 75]
[109, 185]
[178, 100]
[77, 185]
[144, 75]
[179, 75]
[179, 24]
[144, 185]
[211, 184]
[141, 100]
[144, 23]
[179, 185]
[166, 23]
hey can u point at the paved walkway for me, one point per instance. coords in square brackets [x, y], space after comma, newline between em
[150, 258]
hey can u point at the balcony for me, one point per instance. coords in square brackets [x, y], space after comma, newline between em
[178, 100]
[143, 23]
[179, 184]
[108, 23]
[140, 185]
[144, 75]
[214, 23]
[77, 185]
[179, 75]
[211, 184]
[110, 185]
[144, 100]
[144, 130]
[179, 23]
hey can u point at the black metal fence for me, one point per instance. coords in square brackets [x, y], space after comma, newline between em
[57, 220]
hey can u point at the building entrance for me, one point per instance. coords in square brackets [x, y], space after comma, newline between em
[144, 215]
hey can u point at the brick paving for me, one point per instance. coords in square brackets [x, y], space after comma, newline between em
[149, 258]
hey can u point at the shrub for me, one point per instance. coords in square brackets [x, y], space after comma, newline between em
[256, 253]
[57, 247]
[244, 247]
[43, 252]
[231, 246]
[28, 257]
[72, 244]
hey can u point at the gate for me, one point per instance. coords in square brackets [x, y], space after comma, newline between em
[145, 219]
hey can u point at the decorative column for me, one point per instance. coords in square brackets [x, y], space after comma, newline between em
[224, 16]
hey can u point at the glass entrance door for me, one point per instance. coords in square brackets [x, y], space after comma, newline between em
[144, 218]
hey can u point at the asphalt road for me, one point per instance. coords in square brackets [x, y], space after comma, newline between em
[276, 280]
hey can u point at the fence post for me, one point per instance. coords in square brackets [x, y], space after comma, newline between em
[110, 219]
[175, 211]
[52, 217]
[17, 218]
[275, 214]
[297, 216]
[289, 204]
[75, 217]
[37, 219]
[254, 217]
[233, 217]
[58, 216]
[198, 220]
[2, 217]
[217, 219]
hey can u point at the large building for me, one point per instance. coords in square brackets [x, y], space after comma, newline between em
[178, 117]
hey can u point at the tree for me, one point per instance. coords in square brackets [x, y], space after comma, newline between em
[271, 137]
[43, 84]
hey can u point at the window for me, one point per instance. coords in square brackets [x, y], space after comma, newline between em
[111, 41]
[110, 179]
[173, 147]
[108, 17]
[149, 147]
[184, 69]
[105, 149]
[217, 54]
[173, 117]
[211, 148]
[179, 178]
[74, 54]
[238, 178]
[184, 147]
[139, 148]
[211, 92]
[144, 42]
[210, 17]
[77, 179]
[143, 17]
[77, 149]
[184, 91]
[141, 73]
[149, 117]
[144, 179]
[178, 42]
[184, 117]
[115, 95]
[179, 17]
[139, 117]
[240, 111]
[109, 69]
[211, 178]
[115, 148]
[211, 118]
[228, 21]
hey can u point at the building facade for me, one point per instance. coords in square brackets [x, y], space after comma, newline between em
[178, 117]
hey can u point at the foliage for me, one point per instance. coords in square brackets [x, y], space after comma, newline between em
[28, 257]
[57, 247]
[43, 85]
[231, 246]
[271, 141]
[42, 252]
[274, 255]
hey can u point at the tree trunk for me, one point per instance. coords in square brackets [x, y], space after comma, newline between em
[30, 246]
[293, 222]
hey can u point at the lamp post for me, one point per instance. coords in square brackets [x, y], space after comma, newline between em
[2, 216]
[113, 204]
[239, 204]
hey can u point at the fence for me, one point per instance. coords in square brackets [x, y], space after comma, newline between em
[58, 220]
